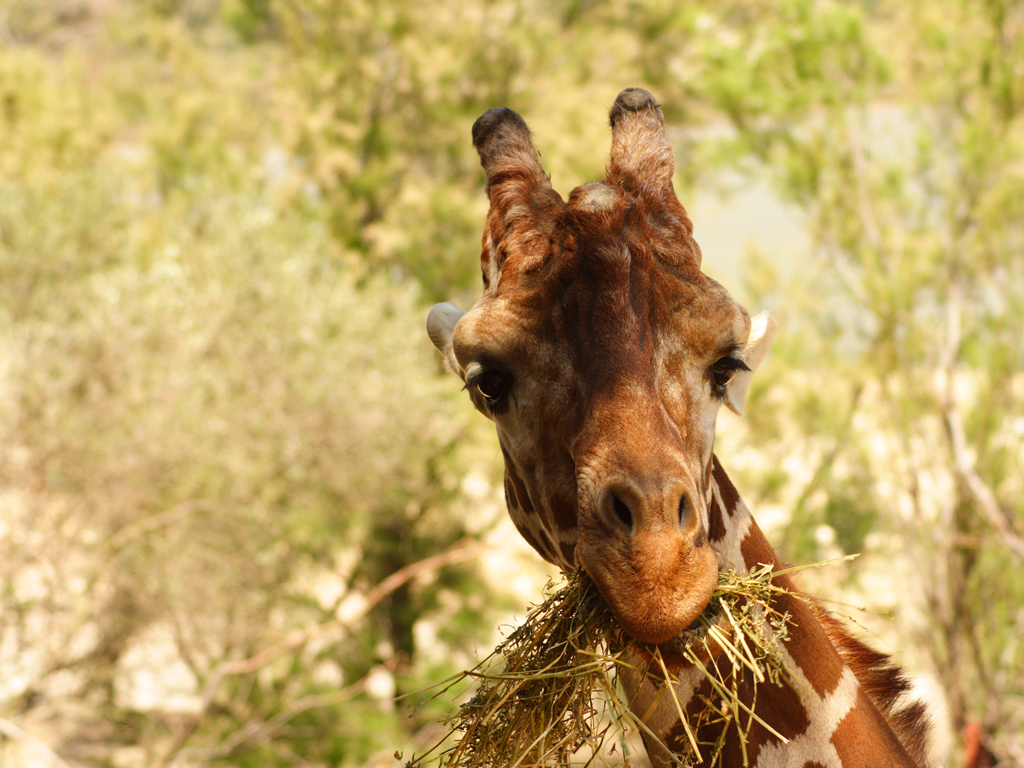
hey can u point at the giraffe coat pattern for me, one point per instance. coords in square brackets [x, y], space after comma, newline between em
[603, 354]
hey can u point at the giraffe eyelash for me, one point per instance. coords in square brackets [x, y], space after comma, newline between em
[722, 372]
[493, 386]
[730, 363]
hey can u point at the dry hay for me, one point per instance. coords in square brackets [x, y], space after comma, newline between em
[547, 695]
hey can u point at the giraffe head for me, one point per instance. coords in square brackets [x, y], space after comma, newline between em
[603, 354]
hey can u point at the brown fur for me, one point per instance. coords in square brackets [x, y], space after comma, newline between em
[598, 350]
[593, 306]
[885, 684]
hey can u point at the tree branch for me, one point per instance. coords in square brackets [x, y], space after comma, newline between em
[465, 549]
[255, 734]
[984, 499]
[16, 733]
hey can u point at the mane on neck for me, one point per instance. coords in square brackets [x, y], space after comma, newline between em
[884, 682]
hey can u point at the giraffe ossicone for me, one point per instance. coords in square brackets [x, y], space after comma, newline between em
[603, 354]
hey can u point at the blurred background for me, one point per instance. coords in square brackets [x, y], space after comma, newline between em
[241, 507]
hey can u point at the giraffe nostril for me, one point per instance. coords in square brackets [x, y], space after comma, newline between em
[682, 509]
[622, 511]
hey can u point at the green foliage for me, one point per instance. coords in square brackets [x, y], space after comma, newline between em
[218, 421]
[220, 224]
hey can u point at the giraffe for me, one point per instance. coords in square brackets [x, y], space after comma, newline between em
[603, 354]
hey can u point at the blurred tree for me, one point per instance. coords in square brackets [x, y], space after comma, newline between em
[218, 428]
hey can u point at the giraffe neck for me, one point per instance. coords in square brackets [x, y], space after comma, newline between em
[840, 709]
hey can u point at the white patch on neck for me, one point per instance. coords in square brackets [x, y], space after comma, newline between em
[824, 714]
[737, 526]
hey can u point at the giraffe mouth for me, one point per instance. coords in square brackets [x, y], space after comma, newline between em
[712, 615]
[654, 584]
[694, 641]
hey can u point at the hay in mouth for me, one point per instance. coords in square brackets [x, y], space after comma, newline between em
[548, 694]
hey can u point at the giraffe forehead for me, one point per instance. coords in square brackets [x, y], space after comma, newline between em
[606, 303]
[618, 299]
[525, 239]
[574, 366]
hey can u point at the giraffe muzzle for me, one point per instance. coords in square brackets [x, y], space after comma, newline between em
[650, 558]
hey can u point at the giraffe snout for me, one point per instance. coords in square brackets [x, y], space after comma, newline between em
[626, 509]
[645, 547]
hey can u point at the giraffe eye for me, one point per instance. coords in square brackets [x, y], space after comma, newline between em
[721, 373]
[492, 385]
[721, 378]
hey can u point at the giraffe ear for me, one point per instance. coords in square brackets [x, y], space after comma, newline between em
[762, 331]
[441, 324]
